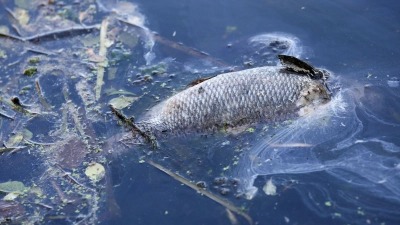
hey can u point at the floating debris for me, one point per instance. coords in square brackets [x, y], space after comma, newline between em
[213, 197]
[328, 204]
[12, 186]
[104, 44]
[30, 71]
[122, 101]
[232, 218]
[201, 184]
[95, 172]
[269, 188]
[34, 60]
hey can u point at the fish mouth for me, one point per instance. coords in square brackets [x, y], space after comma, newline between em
[311, 97]
[332, 86]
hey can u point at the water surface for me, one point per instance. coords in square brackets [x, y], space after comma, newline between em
[350, 173]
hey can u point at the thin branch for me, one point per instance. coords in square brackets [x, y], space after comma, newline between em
[202, 191]
[11, 149]
[73, 179]
[60, 193]
[37, 143]
[134, 128]
[39, 51]
[103, 53]
[41, 204]
[54, 34]
[6, 116]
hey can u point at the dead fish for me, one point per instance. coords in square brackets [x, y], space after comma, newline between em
[228, 100]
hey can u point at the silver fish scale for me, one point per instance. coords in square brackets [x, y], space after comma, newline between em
[229, 100]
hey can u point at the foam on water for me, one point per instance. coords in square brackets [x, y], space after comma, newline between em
[329, 140]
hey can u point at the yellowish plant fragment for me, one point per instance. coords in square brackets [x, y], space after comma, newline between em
[95, 172]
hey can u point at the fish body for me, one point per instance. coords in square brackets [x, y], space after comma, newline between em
[271, 93]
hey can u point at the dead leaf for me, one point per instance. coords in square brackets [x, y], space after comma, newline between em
[95, 172]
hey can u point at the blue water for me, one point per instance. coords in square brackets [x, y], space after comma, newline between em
[350, 174]
[353, 39]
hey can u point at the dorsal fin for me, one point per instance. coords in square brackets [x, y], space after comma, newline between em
[198, 81]
[299, 66]
[294, 64]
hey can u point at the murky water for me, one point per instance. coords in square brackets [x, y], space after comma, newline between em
[351, 175]
[339, 165]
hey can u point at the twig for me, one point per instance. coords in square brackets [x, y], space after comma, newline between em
[134, 128]
[41, 204]
[13, 63]
[60, 217]
[61, 33]
[37, 143]
[103, 53]
[41, 97]
[7, 116]
[39, 51]
[211, 196]
[54, 34]
[60, 193]
[15, 27]
[12, 149]
[75, 117]
[73, 179]
[39, 90]
[291, 145]
[16, 149]
[11, 13]
[12, 37]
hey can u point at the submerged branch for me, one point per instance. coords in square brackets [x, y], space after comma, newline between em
[11, 149]
[41, 97]
[202, 191]
[41, 204]
[54, 34]
[103, 53]
[60, 193]
[6, 116]
[130, 122]
[73, 180]
[37, 143]
[291, 145]
[38, 51]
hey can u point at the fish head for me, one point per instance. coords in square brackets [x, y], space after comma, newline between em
[316, 94]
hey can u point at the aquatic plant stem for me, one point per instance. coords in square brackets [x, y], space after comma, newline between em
[102, 52]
